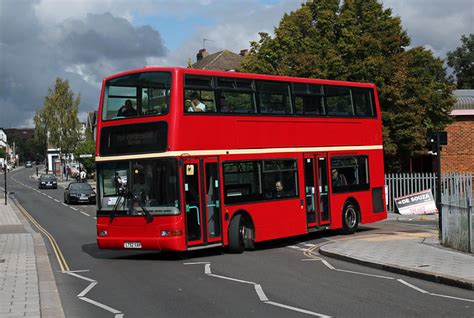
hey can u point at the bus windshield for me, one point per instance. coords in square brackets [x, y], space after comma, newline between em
[137, 95]
[131, 185]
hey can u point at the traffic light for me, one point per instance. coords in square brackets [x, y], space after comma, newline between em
[437, 139]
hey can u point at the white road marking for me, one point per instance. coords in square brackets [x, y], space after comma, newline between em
[49, 196]
[92, 284]
[196, 263]
[260, 293]
[63, 203]
[258, 289]
[310, 260]
[96, 303]
[73, 208]
[295, 247]
[84, 213]
[73, 273]
[95, 218]
[412, 286]
[452, 297]
[56, 200]
[309, 245]
[363, 274]
[231, 279]
[327, 264]
[296, 309]
[85, 291]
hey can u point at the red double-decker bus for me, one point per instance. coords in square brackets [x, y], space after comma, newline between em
[190, 159]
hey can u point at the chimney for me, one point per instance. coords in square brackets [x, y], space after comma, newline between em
[244, 52]
[201, 54]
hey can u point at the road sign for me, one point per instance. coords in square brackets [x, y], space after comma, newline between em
[87, 155]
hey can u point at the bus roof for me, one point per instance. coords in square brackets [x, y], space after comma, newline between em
[178, 70]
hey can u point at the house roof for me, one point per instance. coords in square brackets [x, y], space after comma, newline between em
[464, 105]
[223, 61]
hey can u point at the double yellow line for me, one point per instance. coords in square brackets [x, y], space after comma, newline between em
[57, 251]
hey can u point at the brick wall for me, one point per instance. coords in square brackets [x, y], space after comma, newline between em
[458, 155]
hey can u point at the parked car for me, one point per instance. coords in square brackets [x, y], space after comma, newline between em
[79, 192]
[47, 181]
[28, 164]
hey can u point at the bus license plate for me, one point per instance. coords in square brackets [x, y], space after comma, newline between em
[132, 245]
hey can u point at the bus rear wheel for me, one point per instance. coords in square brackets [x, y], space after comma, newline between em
[350, 218]
[239, 235]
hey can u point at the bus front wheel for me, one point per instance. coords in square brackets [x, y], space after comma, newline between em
[350, 218]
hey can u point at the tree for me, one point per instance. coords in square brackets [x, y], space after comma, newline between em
[462, 61]
[57, 121]
[359, 40]
[86, 147]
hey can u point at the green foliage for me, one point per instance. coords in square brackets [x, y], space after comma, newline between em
[462, 61]
[86, 147]
[57, 121]
[31, 149]
[2, 152]
[359, 40]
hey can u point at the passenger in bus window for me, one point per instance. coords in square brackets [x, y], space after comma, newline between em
[338, 180]
[279, 190]
[224, 107]
[127, 110]
[195, 104]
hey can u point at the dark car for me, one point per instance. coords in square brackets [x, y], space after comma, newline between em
[79, 192]
[28, 164]
[47, 181]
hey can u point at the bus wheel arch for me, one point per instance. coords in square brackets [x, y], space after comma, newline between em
[350, 216]
[241, 232]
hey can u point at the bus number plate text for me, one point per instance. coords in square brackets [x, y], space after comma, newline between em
[132, 245]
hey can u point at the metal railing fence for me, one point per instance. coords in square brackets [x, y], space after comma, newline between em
[401, 184]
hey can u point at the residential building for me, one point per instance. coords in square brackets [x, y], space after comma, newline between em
[3, 138]
[222, 61]
[458, 155]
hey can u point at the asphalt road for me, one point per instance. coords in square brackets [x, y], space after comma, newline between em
[279, 279]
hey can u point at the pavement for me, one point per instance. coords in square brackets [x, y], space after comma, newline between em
[27, 284]
[28, 287]
[415, 253]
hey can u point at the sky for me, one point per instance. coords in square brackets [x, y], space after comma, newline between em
[84, 41]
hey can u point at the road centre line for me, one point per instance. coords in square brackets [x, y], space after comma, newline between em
[82, 212]
[50, 197]
[56, 200]
[73, 208]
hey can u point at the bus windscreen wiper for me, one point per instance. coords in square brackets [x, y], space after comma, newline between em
[148, 216]
[121, 195]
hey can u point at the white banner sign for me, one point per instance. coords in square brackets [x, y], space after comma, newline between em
[417, 203]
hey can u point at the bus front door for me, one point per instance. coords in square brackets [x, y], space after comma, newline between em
[316, 190]
[202, 204]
